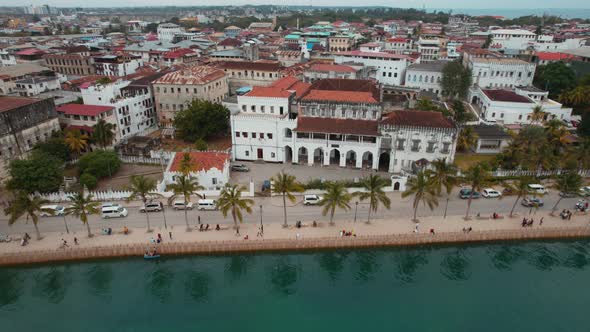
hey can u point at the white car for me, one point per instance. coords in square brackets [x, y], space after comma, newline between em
[52, 210]
[179, 205]
[490, 193]
[312, 199]
[537, 189]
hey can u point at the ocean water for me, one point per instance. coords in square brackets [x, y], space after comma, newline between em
[537, 286]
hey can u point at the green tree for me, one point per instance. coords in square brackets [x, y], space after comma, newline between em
[54, 146]
[583, 128]
[460, 114]
[185, 166]
[373, 191]
[143, 188]
[201, 145]
[24, 205]
[184, 186]
[88, 180]
[285, 185]
[104, 81]
[520, 188]
[581, 153]
[443, 175]
[538, 114]
[39, 173]
[99, 163]
[231, 199]
[456, 80]
[81, 207]
[555, 77]
[104, 133]
[423, 190]
[76, 141]
[488, 41]
[336, 196]
[567, 183]
[478, 177]
[201, 119]
[467, 139]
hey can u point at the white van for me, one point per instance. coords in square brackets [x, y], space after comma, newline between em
[207, 204]
[52, 210]
[312, 199]
[537, 189]
[114, 212]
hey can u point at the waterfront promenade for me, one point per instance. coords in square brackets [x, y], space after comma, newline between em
[379, 233]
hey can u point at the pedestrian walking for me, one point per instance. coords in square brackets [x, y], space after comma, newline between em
[569, 215]
[75, 240]
[432, 231]
[64, 243]
[199, 220]
[170, 234]
[541, 221]
[416, 228]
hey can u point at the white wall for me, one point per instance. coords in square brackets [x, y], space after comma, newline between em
[389, 71]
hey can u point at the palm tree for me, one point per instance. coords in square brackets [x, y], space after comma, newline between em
[104, 133]
[184, 186]
[581, 153]
[76, 141]
[441, 175]
[566, 183]
[373, 186]
[231, 199]
[285, 184]
[335, 196]
[185, 164]
[467, 139]
[423, 189]
[538, 114]
[520, 189]
[478, 177]
[82, 207]
[24, 205]
[143, 188]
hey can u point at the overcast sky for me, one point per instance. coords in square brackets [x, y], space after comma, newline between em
[499, 4]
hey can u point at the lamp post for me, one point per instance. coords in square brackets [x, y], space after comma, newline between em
[356, 206]
[261, 227]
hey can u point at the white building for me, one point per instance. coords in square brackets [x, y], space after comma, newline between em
[134, 105]
[515, 39]
[429, 48]
[389, 68]
[515, 107]
[166, 31]
[209, 168]
[7, 59]
[114, 65]
[426, 76]
[34, 86]
[398, 44]
[494, 72]
[84, 117]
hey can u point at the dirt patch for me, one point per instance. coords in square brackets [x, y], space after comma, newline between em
[120, 180]
[216, 143]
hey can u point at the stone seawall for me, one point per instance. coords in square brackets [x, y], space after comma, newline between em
[239, 246]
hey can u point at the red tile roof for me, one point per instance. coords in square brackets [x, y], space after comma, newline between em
[230, 42]
[178, 53]
[87, 110]
[554, 56]
[417, 119]
[194, 75]
[291, 83]
[271, 92]
[10, 103]
[201, 161]
[374, 54]
[336, 126]
[506, 96]
[30, 51]
[340, 96]
[324, 67]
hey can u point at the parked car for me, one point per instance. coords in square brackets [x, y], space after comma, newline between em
[465, 193]
[179, 205]
[537, 189]
[584, 191]
[115, 211]
[52, 210]
[567, 195]
[109, 204]
[240, 168]
[532, 202]
[491, 193]
[152, 207]
[207, 204]
[311, 199]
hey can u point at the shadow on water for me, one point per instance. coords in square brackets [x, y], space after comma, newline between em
[238, 265]
[100, 278]
[284, 275]
[332, 262]
[159, 282]
[577, 257]
[11, 287]
[367, 265]
[543, 257]
[455, 265]
[408, 262]
[51, 283]
[503, 256]
[197, 285]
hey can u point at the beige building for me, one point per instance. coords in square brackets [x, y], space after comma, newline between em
[341, 43]
[70, 64]
[250, 73]
[174, 91]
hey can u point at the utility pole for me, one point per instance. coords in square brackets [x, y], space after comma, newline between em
[356, 206]
[261, 226]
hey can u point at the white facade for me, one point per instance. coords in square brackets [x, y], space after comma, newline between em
[389, 68]
[515, 107]
[134, 108]
[426, 76]
[515, 39]
[7, 59]
[501, 72]
[118, 69]
[166, 31]
[36, 85]
[429, 49]
[565, 45]
[211, 178]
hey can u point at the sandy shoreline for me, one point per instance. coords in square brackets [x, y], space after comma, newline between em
[380, 233]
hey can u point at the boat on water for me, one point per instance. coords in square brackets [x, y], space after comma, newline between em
[146, 256]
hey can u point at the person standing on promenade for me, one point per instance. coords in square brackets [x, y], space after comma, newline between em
[170, 234]
[541, 221]
[64, 243]
[199, 220]
[75, 240]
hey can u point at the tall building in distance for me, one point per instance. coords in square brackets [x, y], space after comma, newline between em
[38, 10]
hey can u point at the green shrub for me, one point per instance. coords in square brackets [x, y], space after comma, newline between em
[99, 163]
[88, 180]
[201, 145]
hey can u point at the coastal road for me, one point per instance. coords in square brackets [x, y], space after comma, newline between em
[272, 212]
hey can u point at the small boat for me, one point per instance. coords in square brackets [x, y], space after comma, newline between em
[151, 256]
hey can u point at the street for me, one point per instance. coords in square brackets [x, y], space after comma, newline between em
[272, 212]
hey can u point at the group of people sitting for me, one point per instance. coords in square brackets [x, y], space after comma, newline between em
[157, 240]
[206, 228]
[467, 230]
[346, 233]
[107, 231]
[566, 214]
[496, 216]
[529, 222]
[25, 240]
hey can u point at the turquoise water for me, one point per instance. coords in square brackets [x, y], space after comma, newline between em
[500, 287]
